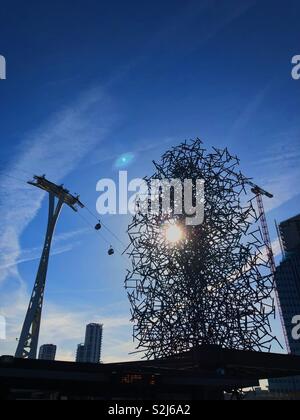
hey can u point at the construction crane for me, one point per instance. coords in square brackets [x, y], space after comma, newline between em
[260, 193]
[58, 196]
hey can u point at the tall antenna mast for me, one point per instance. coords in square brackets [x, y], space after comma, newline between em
[58, 196]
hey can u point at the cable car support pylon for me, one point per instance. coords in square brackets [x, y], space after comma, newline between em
[58, 196]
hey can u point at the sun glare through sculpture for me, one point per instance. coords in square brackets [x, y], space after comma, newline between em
[208, 284]
[173, 234]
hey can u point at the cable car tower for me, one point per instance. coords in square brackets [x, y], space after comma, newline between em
[58, 196]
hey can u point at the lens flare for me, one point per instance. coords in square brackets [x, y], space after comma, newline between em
[124, 160]
[174, 234]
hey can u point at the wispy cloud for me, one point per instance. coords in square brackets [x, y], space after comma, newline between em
[62, 243]
[138, 148]
[276, 247]
[55, 148]
[65, 327]
[280, 169]
[227, 11]
[28, 255]
[248, 113]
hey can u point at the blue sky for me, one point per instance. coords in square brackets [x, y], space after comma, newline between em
[90, 81]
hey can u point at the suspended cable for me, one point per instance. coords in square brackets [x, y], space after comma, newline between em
[91, 226]
[106, 227]
[111, 250]
[83, 218]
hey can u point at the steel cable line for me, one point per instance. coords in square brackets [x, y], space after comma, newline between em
[106, 227]
[100, 234]
[5, 174]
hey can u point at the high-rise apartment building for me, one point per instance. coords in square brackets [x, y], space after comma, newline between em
[90, 351]
[80, 354]
[47, 352]
[288, 285]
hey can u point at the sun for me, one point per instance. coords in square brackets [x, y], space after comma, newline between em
[173, 233]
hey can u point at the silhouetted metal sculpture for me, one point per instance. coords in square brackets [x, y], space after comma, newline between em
[212, 287]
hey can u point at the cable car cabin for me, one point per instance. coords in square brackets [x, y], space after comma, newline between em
[111, 251]
[98, 226]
